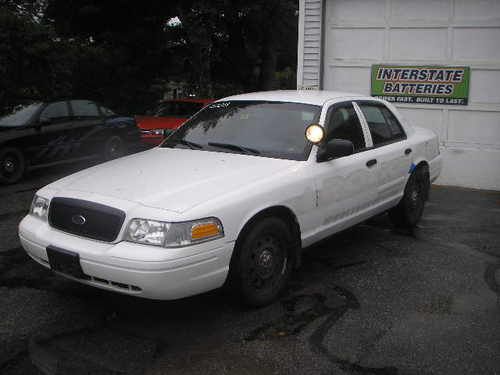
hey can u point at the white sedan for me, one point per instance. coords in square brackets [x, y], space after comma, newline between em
[234, 195]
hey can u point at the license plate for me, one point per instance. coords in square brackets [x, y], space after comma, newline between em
[66, 262]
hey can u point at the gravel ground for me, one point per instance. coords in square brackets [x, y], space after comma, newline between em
[366, 301]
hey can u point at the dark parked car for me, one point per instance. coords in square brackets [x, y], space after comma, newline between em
[46, 133]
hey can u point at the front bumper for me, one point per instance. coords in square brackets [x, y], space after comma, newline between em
[140, 270]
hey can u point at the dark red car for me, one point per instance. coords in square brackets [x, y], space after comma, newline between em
[167, 116]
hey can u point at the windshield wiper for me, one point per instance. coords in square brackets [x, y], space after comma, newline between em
[230, 146]
[191, 145]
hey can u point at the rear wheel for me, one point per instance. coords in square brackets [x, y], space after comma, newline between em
[114, 148]
[12, 165]
[409, 210]
[263, 261]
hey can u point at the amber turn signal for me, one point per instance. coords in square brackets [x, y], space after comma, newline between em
[205, 230]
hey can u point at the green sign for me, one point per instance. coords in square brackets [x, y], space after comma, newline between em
[421, 84]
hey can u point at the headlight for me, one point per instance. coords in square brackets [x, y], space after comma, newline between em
[39, 207]
[153, 132]
[159, 233]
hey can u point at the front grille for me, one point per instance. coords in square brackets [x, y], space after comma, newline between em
[87, 219]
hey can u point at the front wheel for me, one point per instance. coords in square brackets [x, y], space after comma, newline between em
[12, 165]
[262, 264]
[410, 209]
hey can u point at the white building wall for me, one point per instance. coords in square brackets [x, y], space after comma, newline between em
[355, 34]
[310, 39]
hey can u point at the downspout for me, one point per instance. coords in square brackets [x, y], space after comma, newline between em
[300, 46]
[322, 44]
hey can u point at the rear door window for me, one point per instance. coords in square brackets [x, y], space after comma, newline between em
[84, 108]
[394, 125]
[54, 111]
[383, 125]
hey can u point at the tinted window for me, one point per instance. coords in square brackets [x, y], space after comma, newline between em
[394, 125]
[84, 108]
[55, 110]
[20, 115]
[271, 129]
[380, 124]
[343, 123]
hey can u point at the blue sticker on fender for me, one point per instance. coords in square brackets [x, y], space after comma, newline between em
[412, 168]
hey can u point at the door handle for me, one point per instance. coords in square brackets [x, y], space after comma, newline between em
[371, 162]
[408, 151]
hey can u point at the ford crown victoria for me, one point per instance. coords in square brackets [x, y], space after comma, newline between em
[234, 195]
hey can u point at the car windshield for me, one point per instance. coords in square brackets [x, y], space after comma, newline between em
[271, 129]
[20, 115]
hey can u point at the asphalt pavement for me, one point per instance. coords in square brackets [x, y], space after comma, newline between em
[369, 300]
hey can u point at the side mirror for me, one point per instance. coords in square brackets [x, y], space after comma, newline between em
[334, 149]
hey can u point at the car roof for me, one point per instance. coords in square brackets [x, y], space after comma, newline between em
[316, 97]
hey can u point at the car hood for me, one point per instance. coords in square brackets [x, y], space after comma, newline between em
[173, 179]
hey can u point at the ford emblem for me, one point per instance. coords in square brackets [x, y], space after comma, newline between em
[78, 219]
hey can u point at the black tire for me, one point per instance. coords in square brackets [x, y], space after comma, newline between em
[12, 165]
[114, 148]
[262, 262]
[410, 209]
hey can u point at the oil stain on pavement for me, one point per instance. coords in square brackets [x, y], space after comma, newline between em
[366, 301]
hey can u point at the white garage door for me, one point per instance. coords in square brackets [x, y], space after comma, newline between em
[359, 33]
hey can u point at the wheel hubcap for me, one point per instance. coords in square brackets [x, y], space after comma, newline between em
[114, 148]
[9, 166]
[265, 259]
[414, 197]
[267, 263]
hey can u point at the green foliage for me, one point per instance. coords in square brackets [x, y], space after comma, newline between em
[240, 42]
[30, 60]
[123, 52]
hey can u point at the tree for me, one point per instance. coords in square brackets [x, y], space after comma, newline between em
[34, 63]
[239, 41]
[122, 52]
[122, 47]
